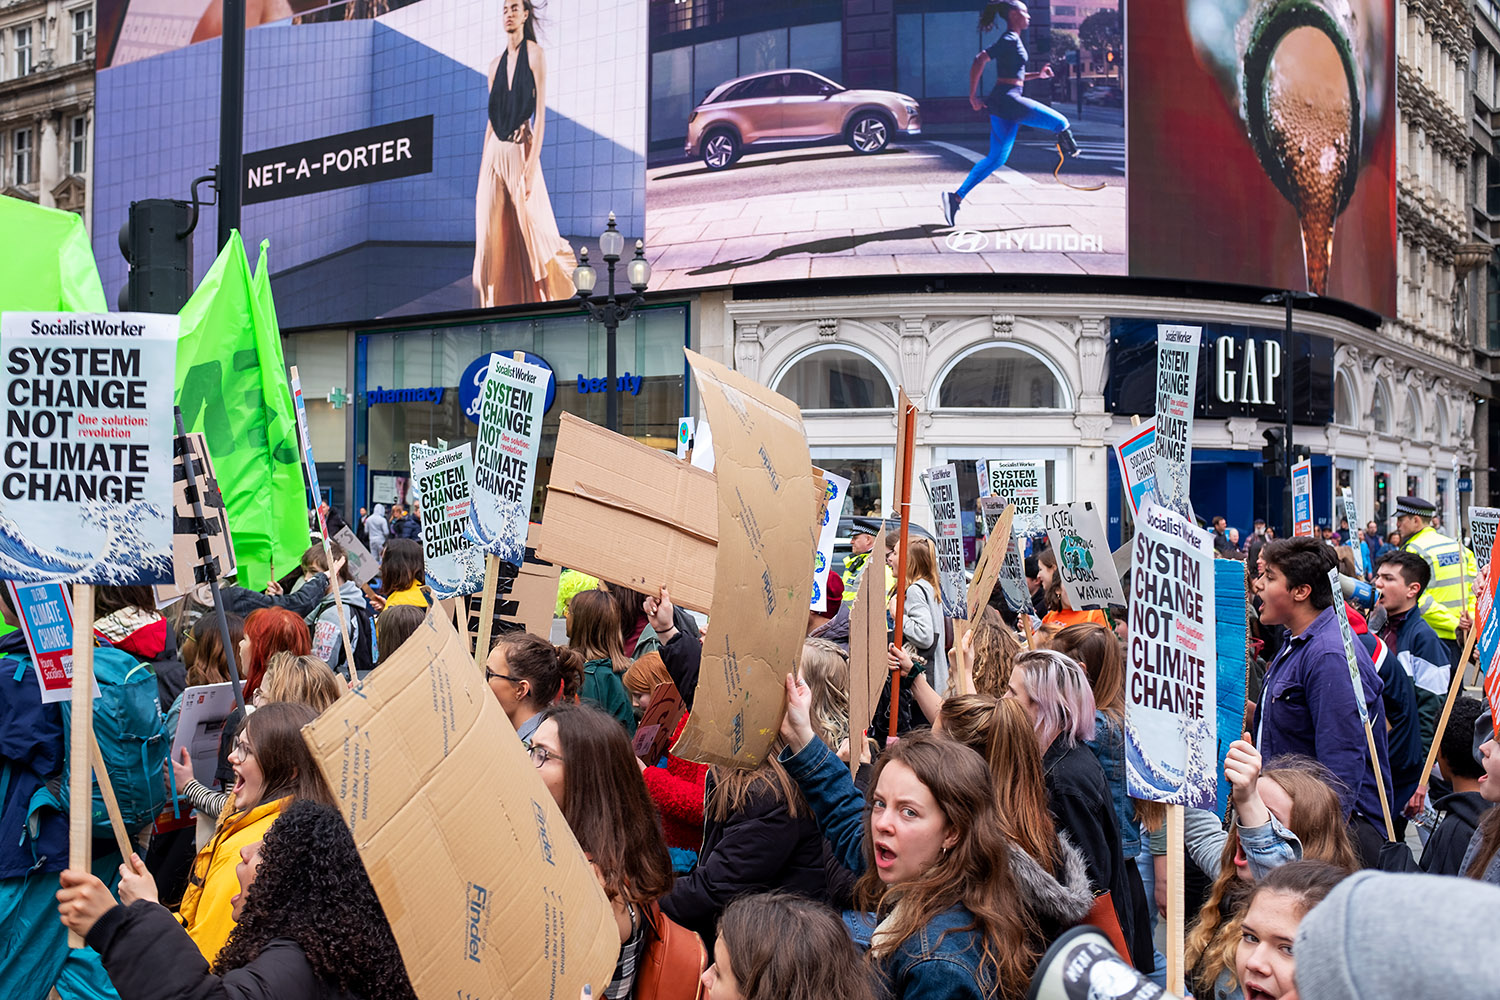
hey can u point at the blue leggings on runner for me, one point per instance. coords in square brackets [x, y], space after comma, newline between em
[1003, 137]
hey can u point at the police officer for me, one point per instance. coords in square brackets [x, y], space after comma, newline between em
[1445, 598]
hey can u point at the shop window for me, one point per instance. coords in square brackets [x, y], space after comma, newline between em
[1001, 378]
[1380, 409]
[1343, 400]
[836, 379]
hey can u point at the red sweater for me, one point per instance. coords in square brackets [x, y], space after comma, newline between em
[677, 790]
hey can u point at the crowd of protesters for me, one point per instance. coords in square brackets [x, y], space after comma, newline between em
[943, 864]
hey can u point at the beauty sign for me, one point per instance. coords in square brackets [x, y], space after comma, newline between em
[1136, 454]
[1171, 663]
[1084, 562]
[947, 527]
[1176, 384]
[504, 470]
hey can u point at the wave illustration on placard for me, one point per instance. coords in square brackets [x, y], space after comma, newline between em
[126, 554]
[1147, 779]
[493, 525]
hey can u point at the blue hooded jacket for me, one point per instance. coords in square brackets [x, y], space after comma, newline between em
[31, 751]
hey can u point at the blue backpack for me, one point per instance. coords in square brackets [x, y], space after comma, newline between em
[133, 743]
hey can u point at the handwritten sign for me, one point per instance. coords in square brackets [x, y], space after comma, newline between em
[1084, 562]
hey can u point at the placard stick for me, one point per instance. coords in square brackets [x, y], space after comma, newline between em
[461, 616]
[487, 609]
[1453, 689]
[205, 553]
[80, 769]
[111, 804]
[1176, 924]
[1385, 807]
[312, 478]
[907, 442]
[1025, 617]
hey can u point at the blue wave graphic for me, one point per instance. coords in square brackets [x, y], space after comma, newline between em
[126, 550]
[498, 527]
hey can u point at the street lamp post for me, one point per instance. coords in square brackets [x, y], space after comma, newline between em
[609, 309]
[1289, 366]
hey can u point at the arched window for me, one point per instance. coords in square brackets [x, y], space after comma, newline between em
[1001, 378]
[1411, 419]
[1343, 400]
[1380, 408]
[835, 378]
[1439, 422]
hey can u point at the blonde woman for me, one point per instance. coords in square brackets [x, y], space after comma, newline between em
[519, 256]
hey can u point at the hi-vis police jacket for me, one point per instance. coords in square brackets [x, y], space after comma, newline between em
[1453, 569]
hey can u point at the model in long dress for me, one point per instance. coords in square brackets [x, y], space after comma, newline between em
[519, 256]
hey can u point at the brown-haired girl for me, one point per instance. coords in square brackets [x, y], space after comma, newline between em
[774, 946]
[527, 673]
[594, 631]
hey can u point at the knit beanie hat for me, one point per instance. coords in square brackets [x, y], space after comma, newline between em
[1392, 937]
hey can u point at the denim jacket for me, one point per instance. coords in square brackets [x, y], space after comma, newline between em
[929, 964]
[1108, 745]
[1267, 846]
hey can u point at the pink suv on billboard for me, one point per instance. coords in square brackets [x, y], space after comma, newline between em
[795, 106]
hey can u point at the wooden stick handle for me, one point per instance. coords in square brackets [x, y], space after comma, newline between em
[1025, 617]
[1453, 689]
[111, 804]
[487, 609]
[1176, 922]
[1385, 807]
[81, 737]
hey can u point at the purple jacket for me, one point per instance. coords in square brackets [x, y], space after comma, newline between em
[1307, 708]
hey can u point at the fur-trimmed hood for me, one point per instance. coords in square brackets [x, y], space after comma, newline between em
[1066, 899]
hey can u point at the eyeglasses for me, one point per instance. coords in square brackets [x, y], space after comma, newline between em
[490, 675]
[540, 755]
[242, 748]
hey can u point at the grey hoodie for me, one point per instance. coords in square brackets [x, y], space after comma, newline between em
[1396, 937]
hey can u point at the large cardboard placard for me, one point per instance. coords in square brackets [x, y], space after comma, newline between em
[1302, 512]
[1176, 384]
[485, 886]
[630, 515]
[1012, 573]
[991, 560]
[836, 490]
[1136, 455]
[947, 529]
[763, 568]
[1172, 663]
[86, 487]
[1023, 484]
[187, 568]
[451, 563]
[868, 664]
[510, 435]
[1084, 562]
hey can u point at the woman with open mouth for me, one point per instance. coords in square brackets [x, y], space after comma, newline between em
[948, 920]
[1263, 960]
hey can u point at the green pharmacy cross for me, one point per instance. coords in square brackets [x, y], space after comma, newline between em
[338, 397]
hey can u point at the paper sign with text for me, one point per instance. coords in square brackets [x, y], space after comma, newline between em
[1176, 385]
[451, 563]
[1351, 514]
[837, 491]
[1023, 484]
[1483, 522]
[46, 611]
[200, 726]
[1346, 633]
[1171, 663]
[1012, 573]
[684, 436]
[948, 532]
[1302, 514]
[86, 488]
[767, 512]
[1136, 455]
[511, 402]
[363, 566]
[1084, 562]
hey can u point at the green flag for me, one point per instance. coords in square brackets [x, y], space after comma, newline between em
[46, 263]
[232, 385]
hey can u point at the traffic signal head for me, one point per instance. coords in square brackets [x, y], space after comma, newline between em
[158, 244]
[1273, 453]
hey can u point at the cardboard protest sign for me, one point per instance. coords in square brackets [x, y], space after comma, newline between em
[991, 560]
[200, 725]
[1136, 455]
[1012, 572]
[835, 490]
[1351, 514]
[510, 402]
[1483, 522]
[1170, 696]
[486, 889]
[187, 567]
[630, 515]
[868, 663]
[46, 613]
[664, 710]
[1176, 385]
[86, 490]
[1302, 517]
[451, 563]
[763, 569]
[363, 565]
[1023, 484]
[1084, 563]
[947, 530]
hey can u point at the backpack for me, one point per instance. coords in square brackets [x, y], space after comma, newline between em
[672, 961]
[133, 744]
[363, 622]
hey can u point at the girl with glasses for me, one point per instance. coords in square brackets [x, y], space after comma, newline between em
[527, 673]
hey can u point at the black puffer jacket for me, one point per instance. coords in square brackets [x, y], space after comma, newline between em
[150, 957]
[760, 848]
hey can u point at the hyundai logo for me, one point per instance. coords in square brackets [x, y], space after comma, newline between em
[968, 241]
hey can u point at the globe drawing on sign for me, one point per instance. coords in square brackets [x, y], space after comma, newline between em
[1075, 556]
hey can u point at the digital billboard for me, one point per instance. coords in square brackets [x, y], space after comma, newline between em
[403, 158]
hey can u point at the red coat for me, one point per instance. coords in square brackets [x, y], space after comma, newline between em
[677, 790]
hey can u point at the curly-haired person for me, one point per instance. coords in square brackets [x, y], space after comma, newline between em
[308, 925]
